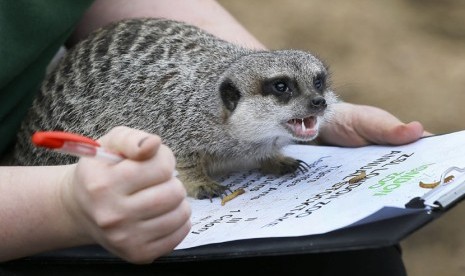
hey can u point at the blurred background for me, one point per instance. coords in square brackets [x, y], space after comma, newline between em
[405, 56]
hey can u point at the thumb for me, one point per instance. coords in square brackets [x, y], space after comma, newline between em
[403, 133]
[381, 127]
[131, 143]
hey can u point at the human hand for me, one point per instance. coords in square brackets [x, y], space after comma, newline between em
[359, 125]
[136, 209]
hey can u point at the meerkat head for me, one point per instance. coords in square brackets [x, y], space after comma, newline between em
[278, 95]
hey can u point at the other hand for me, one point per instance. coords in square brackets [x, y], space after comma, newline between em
[359, 125]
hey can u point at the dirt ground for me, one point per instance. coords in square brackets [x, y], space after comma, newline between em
[405, 56]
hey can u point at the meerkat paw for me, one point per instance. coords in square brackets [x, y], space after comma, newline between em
[283, 165]
[205, 189]
[210, 190]
[199, 185]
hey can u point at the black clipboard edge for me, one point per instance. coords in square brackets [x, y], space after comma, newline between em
[378, 234]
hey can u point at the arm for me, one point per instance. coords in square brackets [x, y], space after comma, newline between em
[205, 14]
[32, 217]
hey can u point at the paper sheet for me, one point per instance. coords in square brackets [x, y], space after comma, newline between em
[322, 199]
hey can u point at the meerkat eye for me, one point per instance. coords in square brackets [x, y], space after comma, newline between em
[281, 87]
[318, 82]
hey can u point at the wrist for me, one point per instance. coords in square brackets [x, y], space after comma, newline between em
[34, 214]
[73, 217]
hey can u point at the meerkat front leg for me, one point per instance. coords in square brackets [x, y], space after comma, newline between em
[197, 183]
[281, 165]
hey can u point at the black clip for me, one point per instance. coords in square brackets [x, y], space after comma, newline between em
[416, 203]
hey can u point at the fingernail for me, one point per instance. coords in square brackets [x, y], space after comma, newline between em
[142, 141]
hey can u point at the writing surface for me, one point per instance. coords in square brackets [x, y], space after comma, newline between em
[323, 198]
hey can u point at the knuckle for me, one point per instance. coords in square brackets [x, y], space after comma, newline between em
[164, 173]
[128, 174]
[118, 240]
[129, 247]
[165, 170]
[106, 220]
[186, 211]
[119, 131]
[177, 192]
[97, 188]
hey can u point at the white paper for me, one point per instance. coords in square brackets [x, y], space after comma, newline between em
[322, 199]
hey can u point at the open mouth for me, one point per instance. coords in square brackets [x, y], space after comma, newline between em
[304, 128]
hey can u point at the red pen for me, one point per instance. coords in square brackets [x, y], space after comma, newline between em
[73, 144]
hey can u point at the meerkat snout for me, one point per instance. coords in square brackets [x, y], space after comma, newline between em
[318, 103]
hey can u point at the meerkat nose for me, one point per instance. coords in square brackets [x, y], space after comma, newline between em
[318, 102]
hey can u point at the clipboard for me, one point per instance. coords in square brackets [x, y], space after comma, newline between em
[386, 227]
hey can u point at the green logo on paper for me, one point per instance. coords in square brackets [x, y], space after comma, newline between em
[394, 180]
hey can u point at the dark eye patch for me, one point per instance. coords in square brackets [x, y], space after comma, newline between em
[281, 87]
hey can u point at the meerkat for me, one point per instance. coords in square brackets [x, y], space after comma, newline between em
[218, 106]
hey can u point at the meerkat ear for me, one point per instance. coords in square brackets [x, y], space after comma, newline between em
[229, 94]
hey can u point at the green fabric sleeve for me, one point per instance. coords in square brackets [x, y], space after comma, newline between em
[31, 32]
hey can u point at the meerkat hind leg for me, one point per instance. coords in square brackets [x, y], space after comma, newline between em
[199, 185]
[281, 165]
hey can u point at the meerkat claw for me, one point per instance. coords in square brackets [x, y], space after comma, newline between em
[303, 167]
[210, 191]
[224, 194]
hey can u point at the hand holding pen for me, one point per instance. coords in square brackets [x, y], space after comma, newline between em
[125, 196]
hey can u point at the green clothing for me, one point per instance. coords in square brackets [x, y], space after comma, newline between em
[31, 32]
